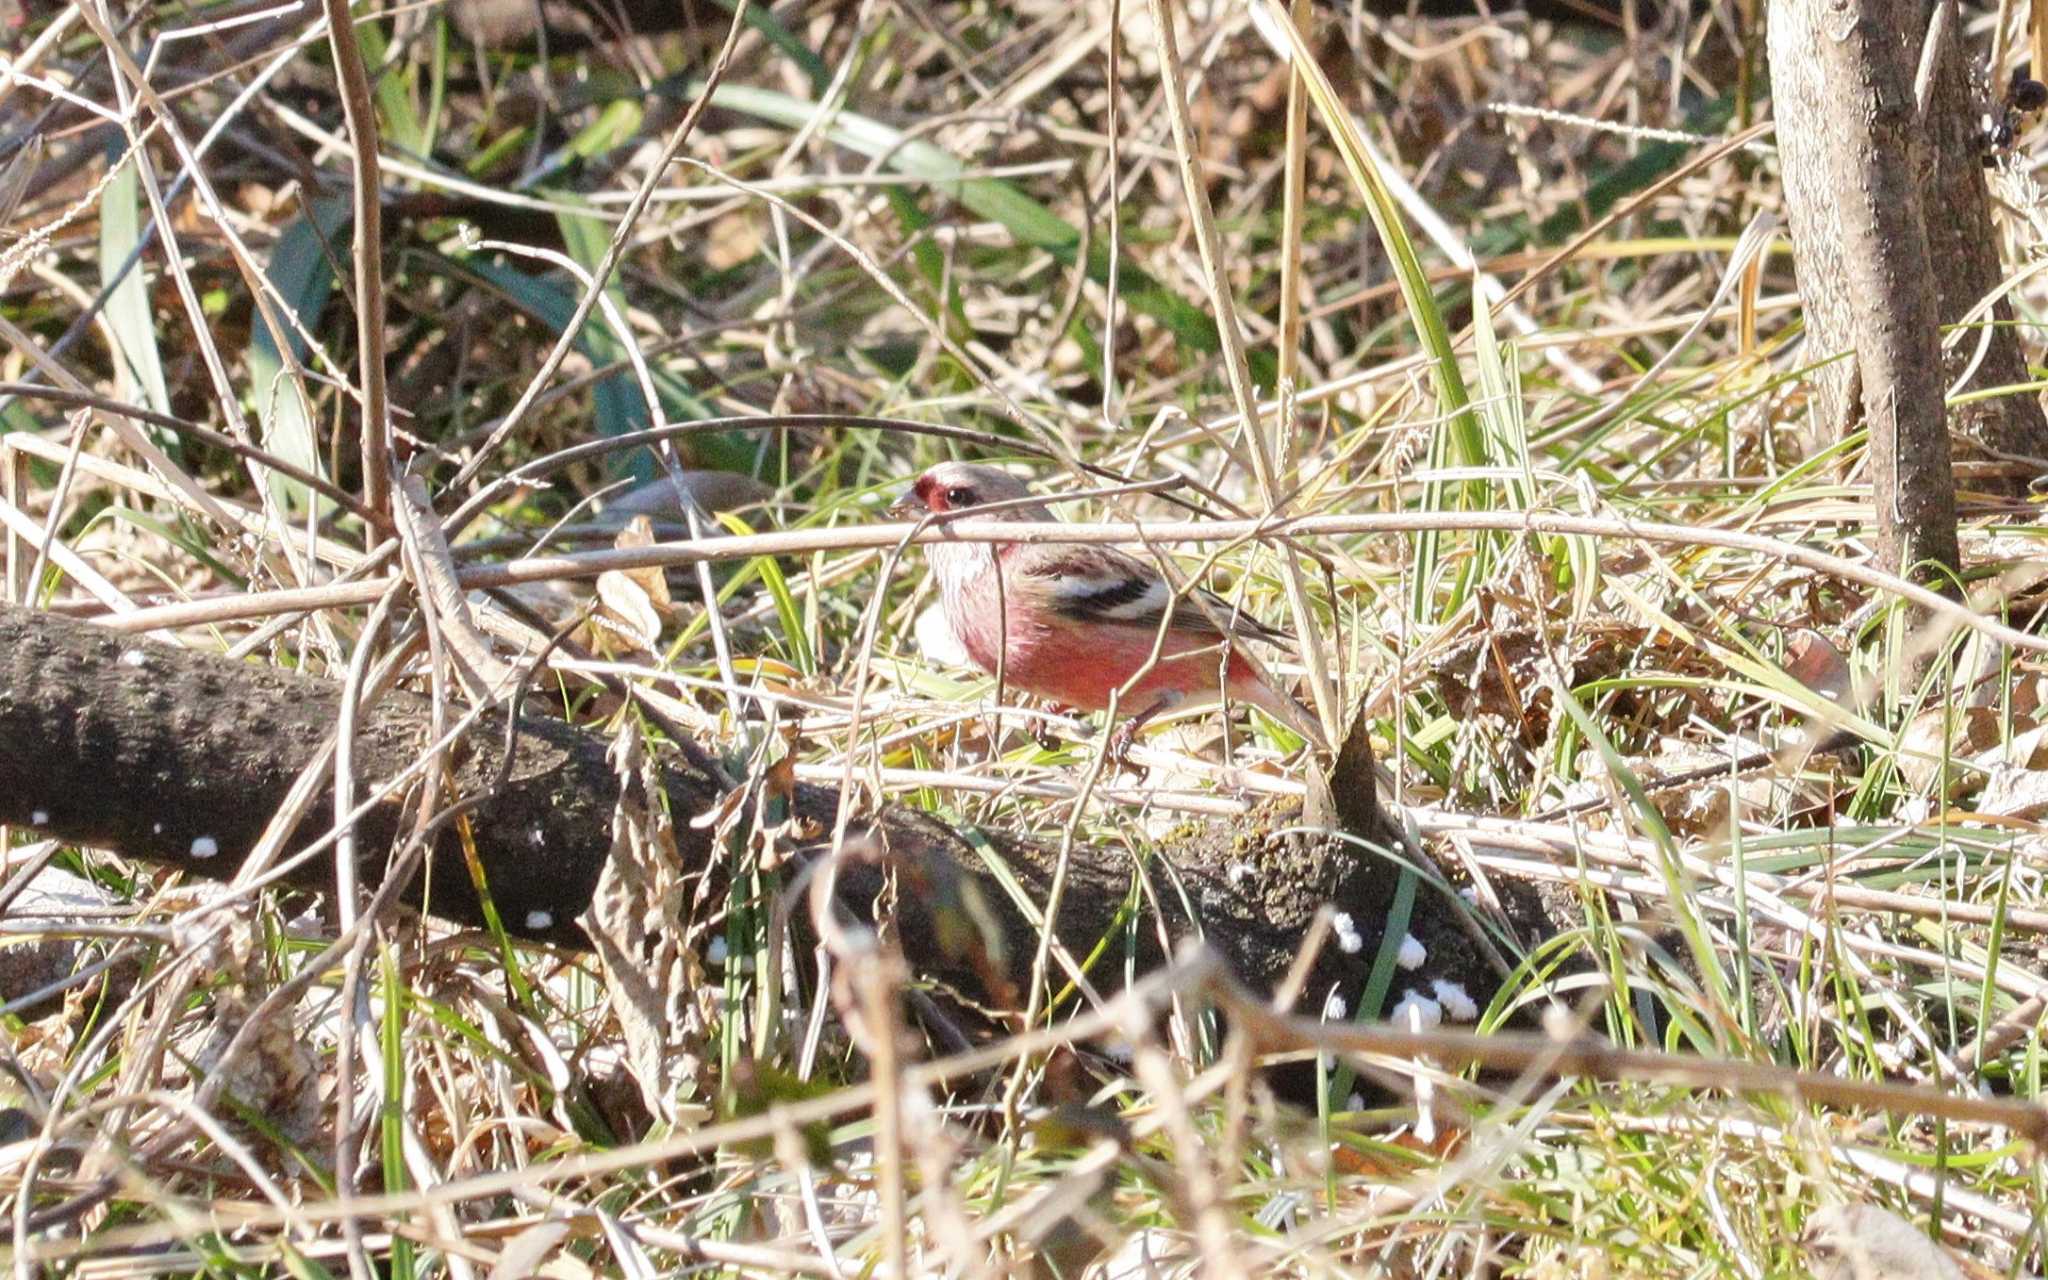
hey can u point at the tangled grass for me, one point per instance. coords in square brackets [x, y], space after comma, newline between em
[1172, 279]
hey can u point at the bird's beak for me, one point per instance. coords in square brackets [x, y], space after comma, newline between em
[907, 507]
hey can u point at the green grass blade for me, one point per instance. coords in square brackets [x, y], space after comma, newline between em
[302, 273]
[139, 365]
[398, 121]
[1459, 438]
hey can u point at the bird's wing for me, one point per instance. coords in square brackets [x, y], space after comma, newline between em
[1104, 585]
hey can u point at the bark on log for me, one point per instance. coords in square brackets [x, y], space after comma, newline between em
[182, 758]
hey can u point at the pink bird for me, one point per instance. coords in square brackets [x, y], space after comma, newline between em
[1076, 624]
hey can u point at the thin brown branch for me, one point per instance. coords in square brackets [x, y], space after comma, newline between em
[589, 564]
[193, 431]
[359, 109]
[1598, 1060]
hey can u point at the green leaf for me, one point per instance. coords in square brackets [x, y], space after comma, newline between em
[397, 1070]
[931, 264]
[180, 534]
[506, 144]
[302, 273]
[796, 638]
[138, 363]
[618, 403]
[437, 83]
[398, 122]
[614, 127]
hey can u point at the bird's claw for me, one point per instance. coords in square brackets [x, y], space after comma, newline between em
[1121, 740]
[1043, 735]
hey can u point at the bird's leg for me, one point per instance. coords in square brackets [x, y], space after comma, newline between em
[1126, 735]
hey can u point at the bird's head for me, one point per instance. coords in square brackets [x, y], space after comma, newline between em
[956, 486]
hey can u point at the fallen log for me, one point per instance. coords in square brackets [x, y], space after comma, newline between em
[182, 759]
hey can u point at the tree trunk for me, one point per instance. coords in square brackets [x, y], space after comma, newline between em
[2002, 444]
[1892, 237]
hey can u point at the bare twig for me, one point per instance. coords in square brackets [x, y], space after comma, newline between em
[1599, 1060]
[589, 564]
[359, 110]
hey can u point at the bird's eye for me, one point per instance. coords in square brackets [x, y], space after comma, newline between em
[959, 497]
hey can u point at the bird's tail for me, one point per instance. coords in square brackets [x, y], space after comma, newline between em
[1283, 708]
